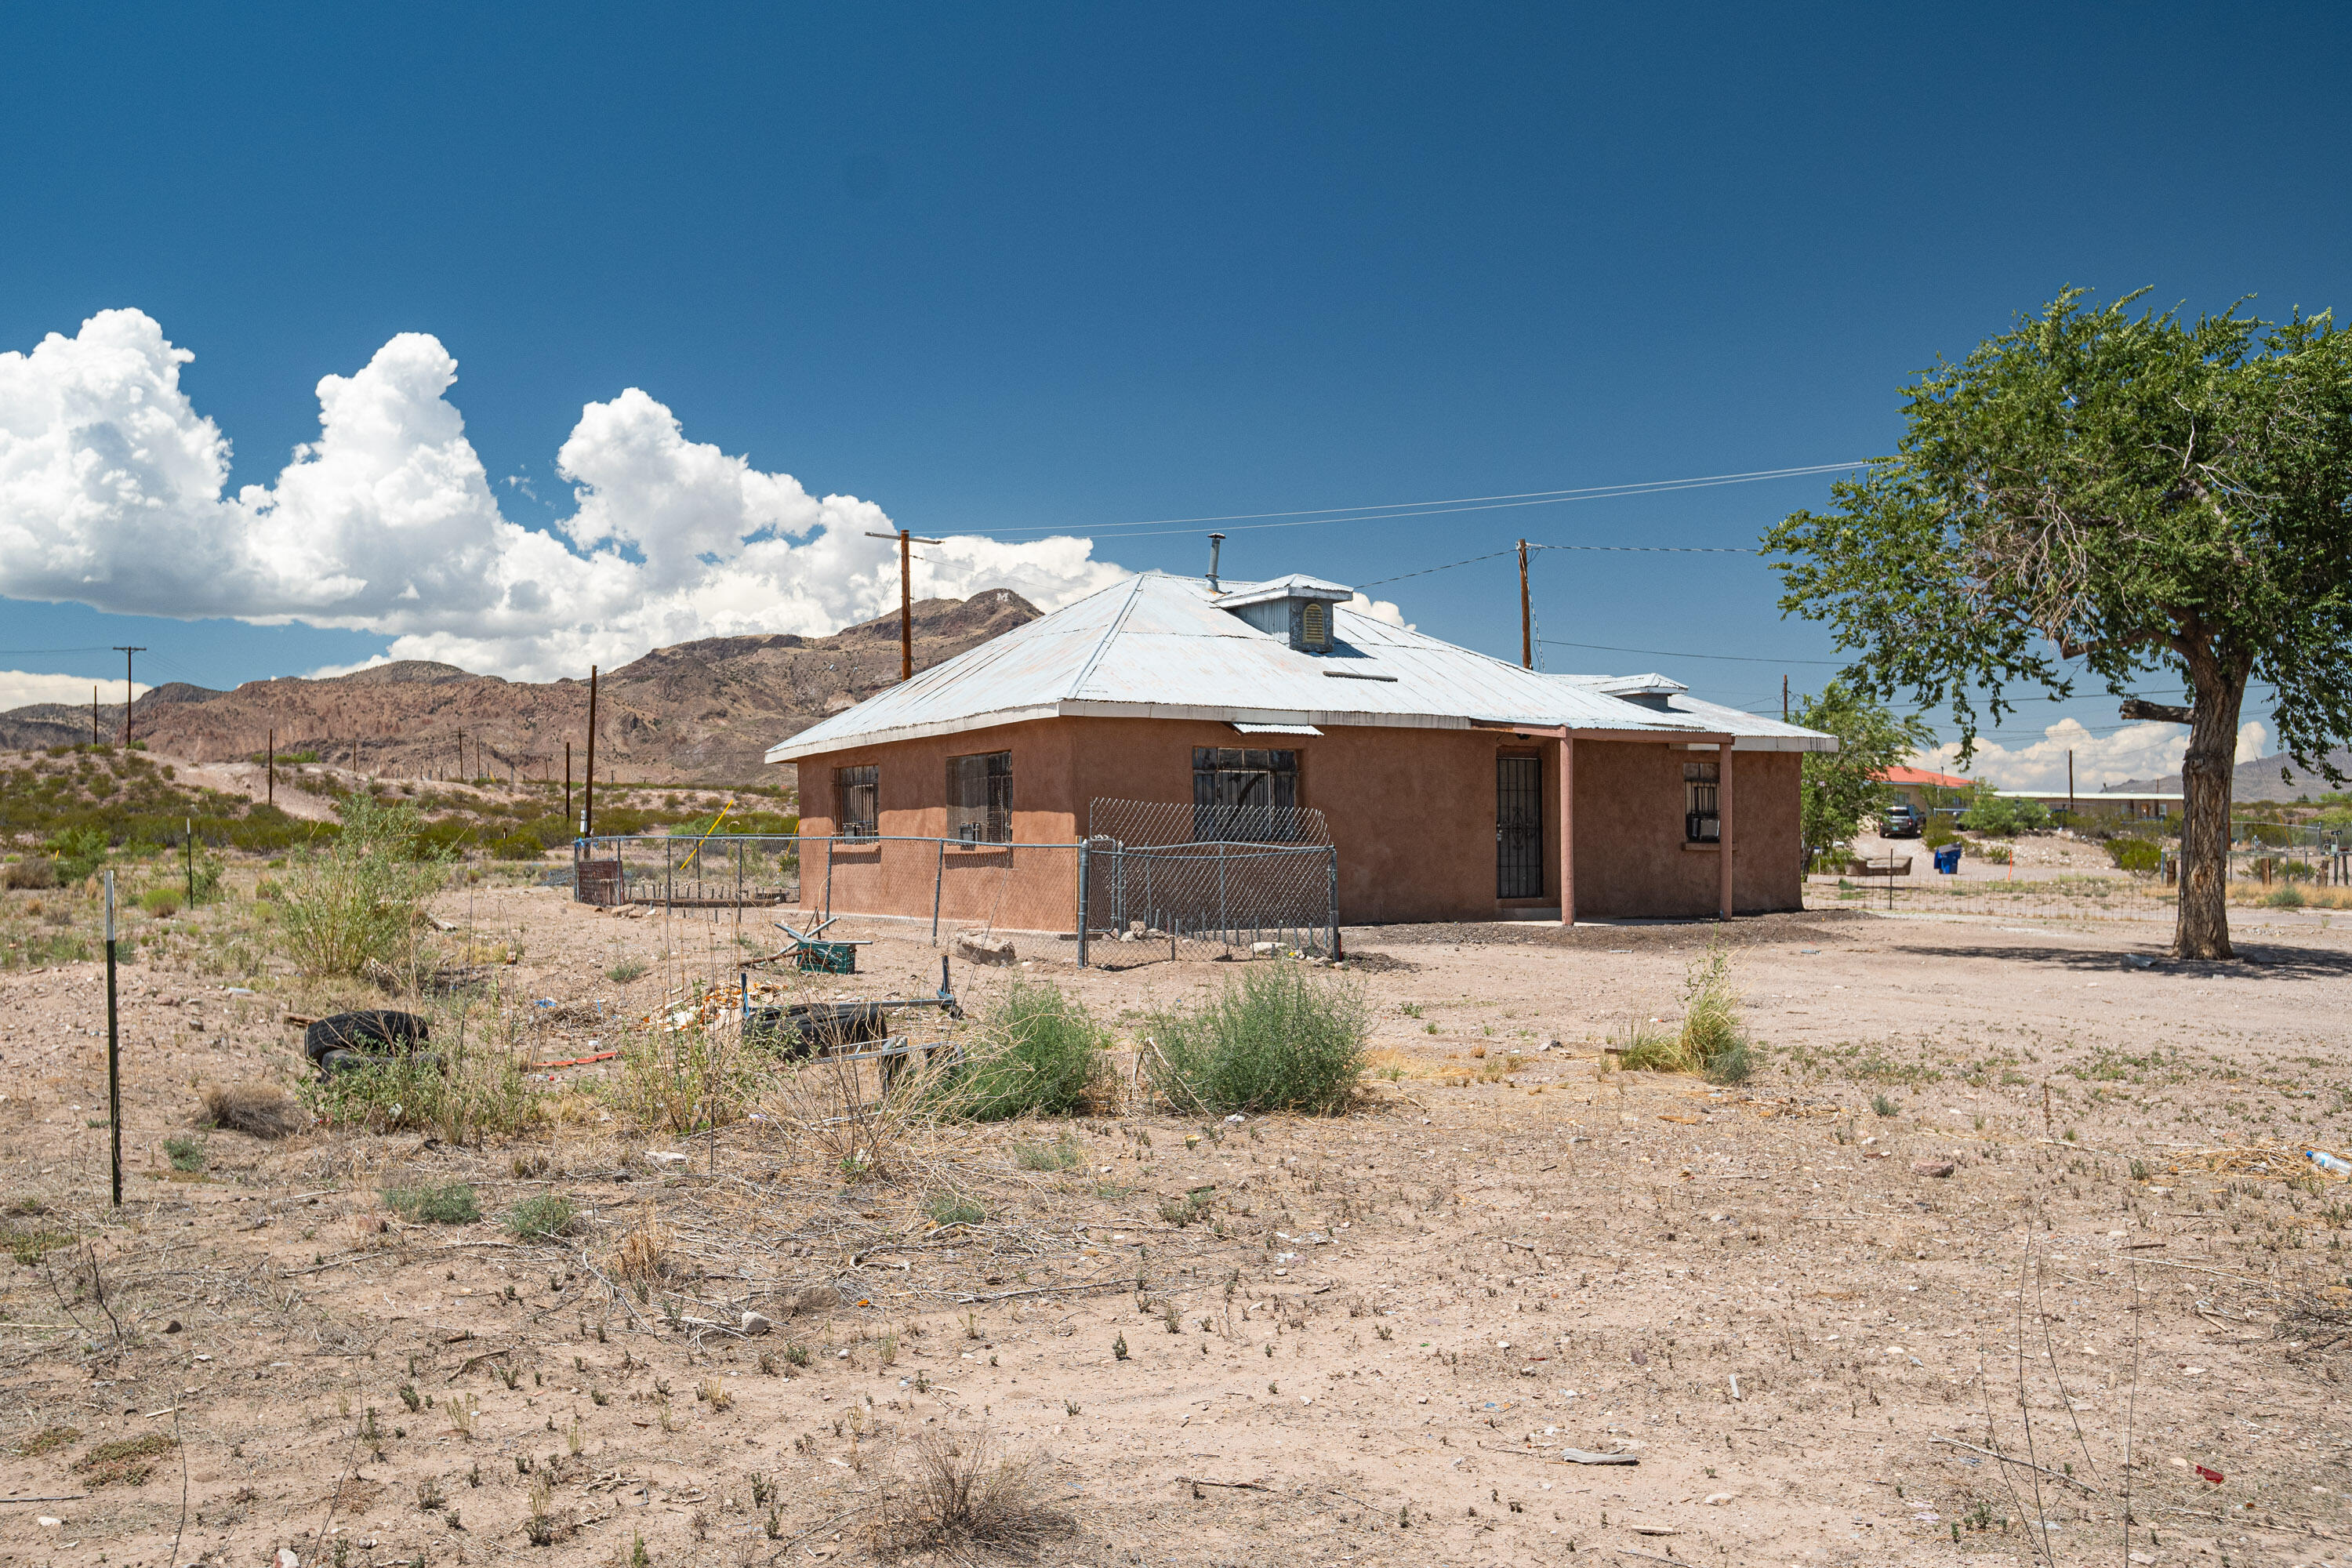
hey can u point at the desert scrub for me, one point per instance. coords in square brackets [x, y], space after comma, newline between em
[1063, 1154]
[475, 1092]
[359, 900]
[1710, 1040]
[1037, 1052]
[684, 1079]
[1275, 1040]
[543, 1217]
[452, 1203]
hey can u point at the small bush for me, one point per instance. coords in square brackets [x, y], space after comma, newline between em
[1884, 1105]
[2003, 816]
[2286, 897]
[37, 874]
[958, 1492]
[161, 902]
[259, 1109]
[361, 900]
[452, 1203]
[471, 1094]
[49, 1440]
[1275, 1041]
[1644, 1047]
[543, 1217]
[79, 852]
[1063, 1154]
[517, 846]
[628, 969]
[1037, 1052]
[187, 1155]
[2141, 857]
[953, 1208]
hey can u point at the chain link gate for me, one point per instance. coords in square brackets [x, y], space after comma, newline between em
[1208, 880]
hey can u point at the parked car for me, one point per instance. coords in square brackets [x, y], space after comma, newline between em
[1900, 821]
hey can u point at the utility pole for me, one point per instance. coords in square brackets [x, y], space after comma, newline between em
[588, 788]
[126, 653]
[567, 781]
[1784, 699]
[2070, 786]
[93, 715]
[273, 767]
[905, 598]
[461, 756]
[1527, 620]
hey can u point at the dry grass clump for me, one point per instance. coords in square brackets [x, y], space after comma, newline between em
[260, 1110]
[1710, 1041]
[126, 1461]
[954, 1492]
[1275, 1041]
[644, 1254]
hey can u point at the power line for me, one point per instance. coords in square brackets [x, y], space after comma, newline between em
[1380, 511]
[1642, 549]
[1677, 653]
[32, 652]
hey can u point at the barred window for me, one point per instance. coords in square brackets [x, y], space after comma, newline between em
[980, 798]
[1701, 825]
[858, 794]
[1245, 795]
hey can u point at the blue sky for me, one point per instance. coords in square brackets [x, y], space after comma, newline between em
[1012, 270]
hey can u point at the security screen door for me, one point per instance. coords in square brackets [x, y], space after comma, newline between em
[1518, 828]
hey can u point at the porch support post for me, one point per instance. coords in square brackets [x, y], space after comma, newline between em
[1567, 828]
[1723, 824]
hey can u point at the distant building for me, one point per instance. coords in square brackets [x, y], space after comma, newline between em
[1454, 786]
[2130, 806]
[1929, 791]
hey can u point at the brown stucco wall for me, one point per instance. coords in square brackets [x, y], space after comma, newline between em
[1631, 862]
[1410, 811]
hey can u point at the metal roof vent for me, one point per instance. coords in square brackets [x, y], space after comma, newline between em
[1654, 691]
[1296, 609]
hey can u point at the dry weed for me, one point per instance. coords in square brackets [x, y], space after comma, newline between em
[955, 1491]
[260, 1110]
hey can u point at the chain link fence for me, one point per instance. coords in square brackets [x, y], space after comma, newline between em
[1145, 877]
[1204, 879]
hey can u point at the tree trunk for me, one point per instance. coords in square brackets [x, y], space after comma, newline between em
[2207, 773]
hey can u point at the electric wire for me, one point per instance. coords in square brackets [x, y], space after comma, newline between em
[1382, 512]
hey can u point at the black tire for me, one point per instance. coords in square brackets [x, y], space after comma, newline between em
[342, 1061]
[374, 1030]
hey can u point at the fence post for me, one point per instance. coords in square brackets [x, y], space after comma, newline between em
[829, 876]
[1331, 892]
[1082, 903]
[939, 882]
[1224, 924]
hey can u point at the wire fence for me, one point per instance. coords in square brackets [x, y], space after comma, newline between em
[1203, 877]
[1143, 879]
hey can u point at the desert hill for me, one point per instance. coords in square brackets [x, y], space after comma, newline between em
[698, 711]
[2261, 779]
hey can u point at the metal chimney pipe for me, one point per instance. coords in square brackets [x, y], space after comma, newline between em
[1216, 543]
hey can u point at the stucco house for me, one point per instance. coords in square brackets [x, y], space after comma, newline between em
[1455, 786]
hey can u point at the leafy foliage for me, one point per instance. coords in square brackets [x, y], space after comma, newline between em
[1841, 787]
[360, 899]
[2133, 498]
[2003, 816]
[1038, 1053]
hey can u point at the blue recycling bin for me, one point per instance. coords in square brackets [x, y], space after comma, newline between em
[1947, 860]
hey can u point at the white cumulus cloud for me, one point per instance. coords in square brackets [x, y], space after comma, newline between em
[21, 688]
[112, 495]
[2147, 751]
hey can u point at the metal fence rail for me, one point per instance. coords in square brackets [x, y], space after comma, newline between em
[1151, 885]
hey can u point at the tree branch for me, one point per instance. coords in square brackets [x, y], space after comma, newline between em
[2163, 712]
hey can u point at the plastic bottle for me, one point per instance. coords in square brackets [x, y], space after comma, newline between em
[2327, 1163]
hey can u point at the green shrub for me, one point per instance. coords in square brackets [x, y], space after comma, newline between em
[186, 1153]
[2141, 857]
[1884, 1105]
[628, 969]
[359, 901]
[1935, 830]
[543, 1217]
[517, 846]
[79, 852]
[1646, 1048]
[1275, 1040]
[1710, 1040]
[2286, 897]
[452, 1203]
[473, 1094]
[2003, 816]
[1037, 1052]
[953, 1208]
[161, 902]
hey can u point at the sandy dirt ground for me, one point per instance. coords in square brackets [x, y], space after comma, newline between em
[2006, 1239]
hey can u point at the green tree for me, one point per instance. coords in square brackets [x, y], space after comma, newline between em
[1840, 788]
[2125, 498]
[2001, 816]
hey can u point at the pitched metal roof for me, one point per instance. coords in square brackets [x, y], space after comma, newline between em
[1157, 647]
